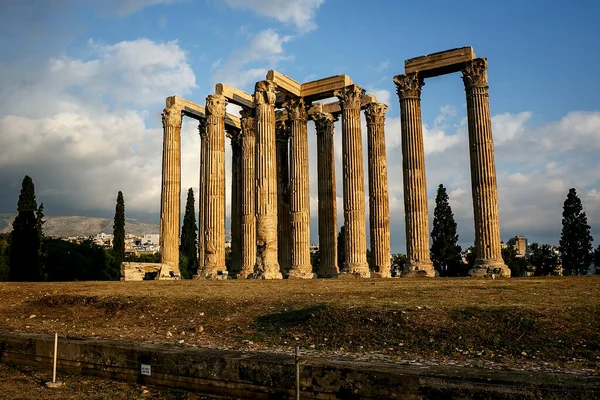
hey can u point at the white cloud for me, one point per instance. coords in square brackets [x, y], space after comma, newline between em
[132, 6]
[300, 13]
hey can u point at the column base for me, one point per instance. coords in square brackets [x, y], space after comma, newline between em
[489, 269]
[328, 272]
[356, 271]
[167, 272]
[266, 275]
[299, 274]
[382, 272]
[218, 275]
[419, 269]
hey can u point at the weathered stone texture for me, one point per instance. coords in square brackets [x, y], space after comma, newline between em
[488, 250]
[171, 190]
[415, 186]
[300, 197]
[135, 271]
[379, 209]
[201, 194]
[267, 265]
[214, 221]
[354, 185]
[248, 188]
[328, 268]
[284, 234]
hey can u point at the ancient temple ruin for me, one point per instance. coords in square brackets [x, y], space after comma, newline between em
[270, 203]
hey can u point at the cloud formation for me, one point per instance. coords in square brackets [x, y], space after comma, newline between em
[300, 13]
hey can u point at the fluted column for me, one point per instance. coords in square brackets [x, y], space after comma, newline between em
[284, 234]
[328, 267]
[236, 166]
[214, 220]
[267, 265]
[201, 195]
[170, 193]
[415, 185]
[379, 208]
[488, 251]
[248, 192]
[354, 183]
[299, 191]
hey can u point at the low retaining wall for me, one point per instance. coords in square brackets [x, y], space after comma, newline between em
[258, 375]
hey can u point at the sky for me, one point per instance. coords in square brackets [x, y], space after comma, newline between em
[83, 84]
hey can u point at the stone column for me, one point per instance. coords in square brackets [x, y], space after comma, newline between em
[170, 198]
[299, 192]
[488, 251]
[354, 183]
[236, 168]
[415, 187]
[267, 265]
[284, 233]
[248, 192]
[328, 267]
[214, 220]
[201, 195]
[379, 208]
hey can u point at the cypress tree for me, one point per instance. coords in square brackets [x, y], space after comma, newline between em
[39, 219]
[188, 249]
[119, 230]
[341, 247]
[445, 251]
[25, 237]
[575, 238]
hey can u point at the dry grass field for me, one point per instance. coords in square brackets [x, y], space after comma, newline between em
[535, 323]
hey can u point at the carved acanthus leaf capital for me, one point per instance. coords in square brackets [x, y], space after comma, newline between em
[324, 122]
[171, 117]
[297, 109]
[202, 126]
[248, 121]
[264, 92]
[282, 131]
[349, 96]
[475, 73]
[408, 86]
[216, 105]
[375, 113]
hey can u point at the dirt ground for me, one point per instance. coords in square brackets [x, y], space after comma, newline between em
[24, 383]
[527, 323]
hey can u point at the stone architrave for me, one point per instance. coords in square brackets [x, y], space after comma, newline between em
[267, 265]
[214, 220]
[236, 169]
[328, 267]
[488, 250]
[247, 194]
[299, 192]
[379, 209]
[170, 193]
[201, 194]
[415, 187]
[284, 234]
[355, 262]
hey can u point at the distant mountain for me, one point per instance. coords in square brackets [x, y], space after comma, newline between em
[82, 226]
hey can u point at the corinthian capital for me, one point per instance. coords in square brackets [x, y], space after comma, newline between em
[349, 96]
[264, 92]
[171, 116]
[202, 125]
[475, 73]
[324, 122]
[248, 121]
[282, 131]
[408, 86]
[297, 110]
[216, 105]
[375, 113]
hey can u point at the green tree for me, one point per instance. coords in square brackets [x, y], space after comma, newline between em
[575, 238]
[39, 220]
[398, 261]
[517, 265]
[188, 249]
[597, 259]
[445, 251]
[315, 260]
[25, 237]
[341, 247]
[118, 252]
[543, 260]
[4, 250]
[66, 261]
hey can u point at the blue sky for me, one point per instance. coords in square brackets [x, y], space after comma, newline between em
[83, 86]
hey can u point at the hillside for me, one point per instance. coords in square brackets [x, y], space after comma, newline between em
[82, 226]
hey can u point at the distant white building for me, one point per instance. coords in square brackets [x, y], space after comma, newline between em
[151, 239]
